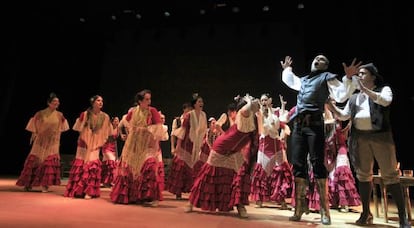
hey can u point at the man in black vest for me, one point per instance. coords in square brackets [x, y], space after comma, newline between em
[308, 135]
[371, 138]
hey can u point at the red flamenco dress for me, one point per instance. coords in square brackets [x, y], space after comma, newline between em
[85, 173]
[224, 180]
[190, 155]
[42, 165]
[344, 190]
[140, 174]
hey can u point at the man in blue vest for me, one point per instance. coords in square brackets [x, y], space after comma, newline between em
[308, 135]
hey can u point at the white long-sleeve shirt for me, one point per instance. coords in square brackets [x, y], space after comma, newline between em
[362, 119]
[339, 91]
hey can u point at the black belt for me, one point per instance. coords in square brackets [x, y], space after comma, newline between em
[309, 119]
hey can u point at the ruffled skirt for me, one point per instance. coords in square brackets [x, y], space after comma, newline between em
[35, 173]
[84, 179]
[146, 187]
[218, 188]
[343, 188]
[180, 178]
[108, 172]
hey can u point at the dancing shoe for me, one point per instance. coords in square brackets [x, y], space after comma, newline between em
[45, 189]
[88, 197]
[188, 208]
[259, 204]
[344, 209]
[242, 211]
[365, 220]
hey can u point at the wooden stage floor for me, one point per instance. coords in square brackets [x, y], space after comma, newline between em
[37, 209]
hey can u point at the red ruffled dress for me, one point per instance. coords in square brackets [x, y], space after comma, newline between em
[140, 174]
[85, 173]
[191, 154]
[42, 165]
[272, 178]
[282, 176]
[224, 180]
[343, 188]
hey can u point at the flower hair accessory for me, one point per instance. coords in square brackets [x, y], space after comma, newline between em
[248, 98]
[237, 98]
[195, 96]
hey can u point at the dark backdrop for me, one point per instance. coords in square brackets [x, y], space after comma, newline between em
[49, 48]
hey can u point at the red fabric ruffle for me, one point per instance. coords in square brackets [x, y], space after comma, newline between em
[281, 181]
[261, 186]
[108, 170]
[149, 182]
[180, 178]
[218, 188]
[241, 187]
[345, 188]
[84, 178]
[35, 173]
[146, 187]
[125, 189]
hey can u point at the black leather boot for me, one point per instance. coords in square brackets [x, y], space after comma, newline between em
[300, 199]
[398, 197]
[365, 190]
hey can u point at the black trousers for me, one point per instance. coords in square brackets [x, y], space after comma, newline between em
[308, 137]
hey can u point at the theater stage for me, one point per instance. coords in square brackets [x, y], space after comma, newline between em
[36, 209]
